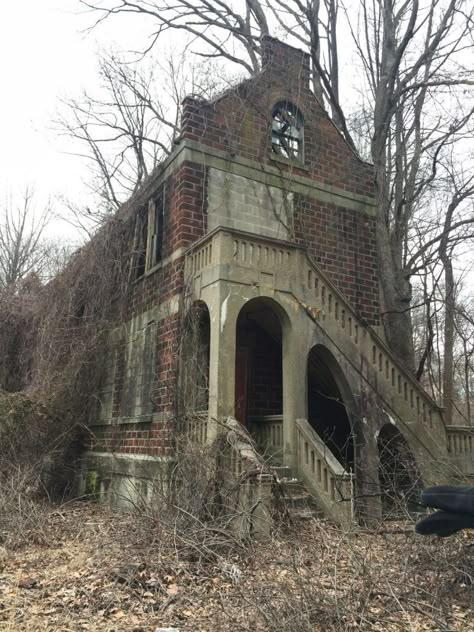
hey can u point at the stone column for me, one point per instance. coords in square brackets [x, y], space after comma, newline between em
[295, 396]
[224, 306]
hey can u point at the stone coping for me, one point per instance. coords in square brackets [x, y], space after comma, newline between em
[191, 151]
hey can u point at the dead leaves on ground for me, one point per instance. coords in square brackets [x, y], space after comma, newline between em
[99, 573]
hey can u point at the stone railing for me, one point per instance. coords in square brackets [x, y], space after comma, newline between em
[200, 258]
[195, 425]
[322, 473]
[247, 483]
[240, 453]
[300, 276]
[267, 432]
[461, 448]
[226, 246]
[330, 308]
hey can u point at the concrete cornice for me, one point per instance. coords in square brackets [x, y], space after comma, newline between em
[191, 151]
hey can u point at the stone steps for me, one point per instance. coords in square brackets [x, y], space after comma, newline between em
[299, 503]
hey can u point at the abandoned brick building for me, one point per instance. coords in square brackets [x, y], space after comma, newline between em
[254, 271]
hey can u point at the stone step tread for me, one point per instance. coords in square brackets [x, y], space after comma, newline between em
[302, 496]
[282, 471]
[293, 489]
[306, 514]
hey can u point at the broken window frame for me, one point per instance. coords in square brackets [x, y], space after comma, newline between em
[287, 132]
[138, 262]
[156, 207]
[147, 249]
[140, 356]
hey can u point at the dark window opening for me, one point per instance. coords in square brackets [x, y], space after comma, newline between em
[327, 412]
[287, 131]
[258, 376]
[148, 237]
[155, 218]
[139, 245]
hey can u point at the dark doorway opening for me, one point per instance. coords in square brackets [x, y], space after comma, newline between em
[399, 477]
[327, 412]
[259, 389]
[258, 373]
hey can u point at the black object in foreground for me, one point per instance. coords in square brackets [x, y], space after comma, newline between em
[456, 510]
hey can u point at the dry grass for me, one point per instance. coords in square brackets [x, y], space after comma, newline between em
[102, 571]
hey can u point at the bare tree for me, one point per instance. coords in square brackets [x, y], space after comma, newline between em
[130, 127]
[228, 30]
[464, 362]
[418, 91]
[411, 56]
[23, 248]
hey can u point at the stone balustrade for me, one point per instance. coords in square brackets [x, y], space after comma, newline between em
[461, 448]
[276, 262]
[324, 476]
[267, 432]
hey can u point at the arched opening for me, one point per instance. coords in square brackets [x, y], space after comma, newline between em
[399, 477]
[258, 373]
[327, 407]
[287, 131]
[194, 368]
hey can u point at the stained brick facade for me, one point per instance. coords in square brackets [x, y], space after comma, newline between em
[303, 204]
[340, 240]
[343, 244]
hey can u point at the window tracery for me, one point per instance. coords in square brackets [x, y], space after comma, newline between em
[287, 131]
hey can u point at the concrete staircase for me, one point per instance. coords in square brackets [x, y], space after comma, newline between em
[297, 500]
[318, 484]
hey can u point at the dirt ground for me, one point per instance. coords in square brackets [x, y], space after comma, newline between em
[89, 569]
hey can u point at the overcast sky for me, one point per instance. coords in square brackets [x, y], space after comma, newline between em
[46, 54]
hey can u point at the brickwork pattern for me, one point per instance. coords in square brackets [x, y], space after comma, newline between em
[239, 121]
[184, 222]
[145, 437]
[343, 244]
[340, 240]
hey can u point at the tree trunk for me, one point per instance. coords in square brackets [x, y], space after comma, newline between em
[467, 385]
[448, 363]
[396, 297]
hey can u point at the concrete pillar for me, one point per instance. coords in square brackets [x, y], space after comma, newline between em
[224, 309]
[368, 504]
[295, 397]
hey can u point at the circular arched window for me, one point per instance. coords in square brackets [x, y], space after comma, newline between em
[287, 131]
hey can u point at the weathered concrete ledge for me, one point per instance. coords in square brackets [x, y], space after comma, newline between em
[125, 481]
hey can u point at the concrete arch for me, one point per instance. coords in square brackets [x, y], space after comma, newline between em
[270, 303]
[331, 405]
[399, 474]
[336, 371]
[260, 329]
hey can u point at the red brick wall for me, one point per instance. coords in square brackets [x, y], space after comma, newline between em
[184, 221]
[343, 243]
[340, 240]
[239, 122]
[145, 438]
